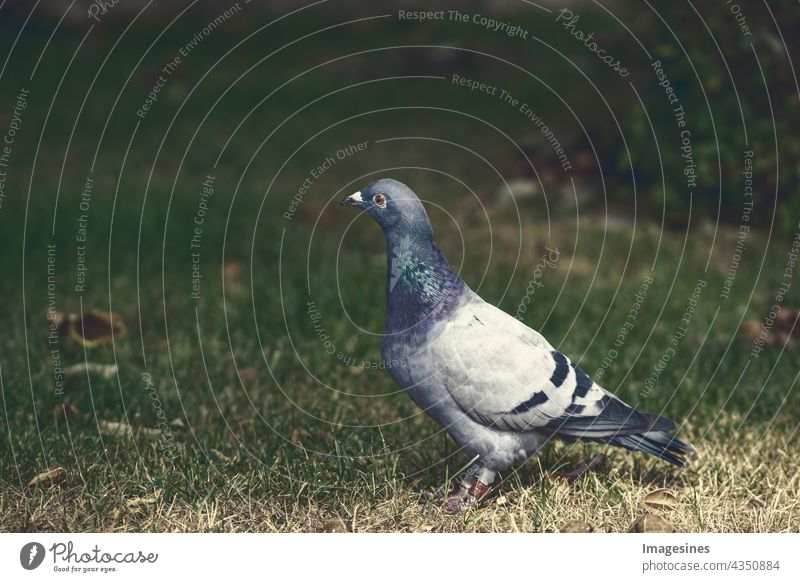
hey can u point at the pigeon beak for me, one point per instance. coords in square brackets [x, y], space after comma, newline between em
[353, 200]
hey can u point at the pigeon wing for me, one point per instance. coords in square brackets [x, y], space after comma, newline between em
[505, 375]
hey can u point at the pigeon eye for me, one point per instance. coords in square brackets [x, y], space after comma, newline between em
[380, 200]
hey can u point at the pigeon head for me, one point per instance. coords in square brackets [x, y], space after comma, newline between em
[394, 206]
[421, 287]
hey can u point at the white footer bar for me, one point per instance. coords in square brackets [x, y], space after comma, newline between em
[401, 557]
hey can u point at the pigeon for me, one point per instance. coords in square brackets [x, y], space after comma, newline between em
[497, 387]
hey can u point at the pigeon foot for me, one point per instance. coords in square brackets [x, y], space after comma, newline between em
[464, 496]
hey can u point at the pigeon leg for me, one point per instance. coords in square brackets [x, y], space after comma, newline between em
[471, 488]
[581, 470]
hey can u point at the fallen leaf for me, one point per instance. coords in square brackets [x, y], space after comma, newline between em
[95, 327]
[423, 528]
[649, 523]
[176, 423]
[48, 478]
[335, 525]
[661, 499]
[107, 371]
[577, 526]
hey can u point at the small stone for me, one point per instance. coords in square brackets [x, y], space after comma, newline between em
[649, 523]
[577, 526]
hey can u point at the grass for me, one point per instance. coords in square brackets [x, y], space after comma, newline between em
[271, 432]
[282, 448]
[744, 486]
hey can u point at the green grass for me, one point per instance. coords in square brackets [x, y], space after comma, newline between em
[279, 435]
[303, 436]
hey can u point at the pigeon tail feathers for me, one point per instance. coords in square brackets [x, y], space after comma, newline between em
[659, 444]
[614, 418]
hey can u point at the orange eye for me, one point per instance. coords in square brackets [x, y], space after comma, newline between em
[379, 200]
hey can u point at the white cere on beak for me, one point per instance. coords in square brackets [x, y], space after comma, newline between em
[356, 197]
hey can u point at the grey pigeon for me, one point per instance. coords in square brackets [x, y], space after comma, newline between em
[498, 387]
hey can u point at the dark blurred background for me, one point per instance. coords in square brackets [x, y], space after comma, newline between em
[730, 67]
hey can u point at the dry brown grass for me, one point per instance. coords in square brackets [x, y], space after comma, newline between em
[747, 484]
